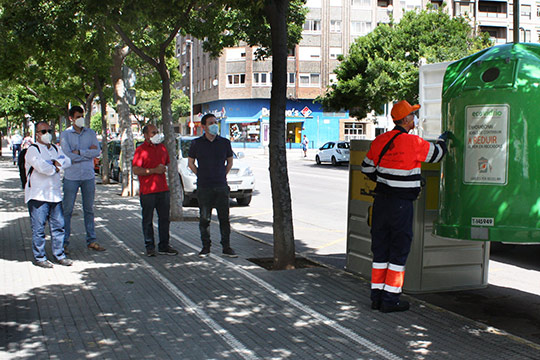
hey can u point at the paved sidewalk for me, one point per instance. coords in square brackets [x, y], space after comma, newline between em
[121, 304]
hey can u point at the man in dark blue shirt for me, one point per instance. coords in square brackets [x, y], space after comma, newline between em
[214, 157]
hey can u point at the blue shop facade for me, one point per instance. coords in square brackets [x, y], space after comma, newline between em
[247, 122]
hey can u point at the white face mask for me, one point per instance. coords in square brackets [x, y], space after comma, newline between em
[157, 139]
[213, 129]
[79, 122]
[416, 121]
[46, 138]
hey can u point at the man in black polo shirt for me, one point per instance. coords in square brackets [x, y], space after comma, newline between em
[214, 161]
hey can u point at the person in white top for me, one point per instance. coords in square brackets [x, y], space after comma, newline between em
[43, 195]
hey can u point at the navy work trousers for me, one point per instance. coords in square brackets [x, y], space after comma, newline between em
[391, 237]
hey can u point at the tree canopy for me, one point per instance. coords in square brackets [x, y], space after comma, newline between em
[383, 65]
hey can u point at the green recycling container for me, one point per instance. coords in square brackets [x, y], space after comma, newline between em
[490, 179]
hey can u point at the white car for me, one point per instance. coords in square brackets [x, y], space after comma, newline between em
[335, 152]
[240, 179]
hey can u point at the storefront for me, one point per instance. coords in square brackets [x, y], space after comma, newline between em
[247, 122]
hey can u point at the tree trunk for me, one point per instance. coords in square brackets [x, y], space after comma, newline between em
[176, 213]
[122, 108]
[284, 250]
[104, 145]
[88, 108]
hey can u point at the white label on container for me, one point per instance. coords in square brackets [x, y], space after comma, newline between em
[486, 144]
[482, 222]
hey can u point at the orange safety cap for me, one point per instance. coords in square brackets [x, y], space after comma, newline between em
[402, 109]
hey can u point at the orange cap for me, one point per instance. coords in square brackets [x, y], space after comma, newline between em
[402, 109]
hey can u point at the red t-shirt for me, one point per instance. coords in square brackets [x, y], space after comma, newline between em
[149, 156]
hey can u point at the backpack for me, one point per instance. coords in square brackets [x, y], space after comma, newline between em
[21, 161]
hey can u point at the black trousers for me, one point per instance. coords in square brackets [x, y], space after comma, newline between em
[391, 238]
[161, 202]
[218, 198]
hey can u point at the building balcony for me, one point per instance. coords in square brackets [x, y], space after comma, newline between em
[496, 15]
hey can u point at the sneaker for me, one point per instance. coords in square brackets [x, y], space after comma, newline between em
[400, 306]
[150, 252]
[204, 252]
[376, 305]
[46, 264]
[65, 262]
[229, 252]
[168, 251]
[96, 247]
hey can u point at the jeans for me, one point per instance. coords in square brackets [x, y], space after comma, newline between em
[161, 202]
[40, 212]
[218, 198]
[88, 190]
[16, 151]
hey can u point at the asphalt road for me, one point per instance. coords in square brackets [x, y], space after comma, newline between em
[511, 302]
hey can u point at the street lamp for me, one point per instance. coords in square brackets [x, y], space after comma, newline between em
[191, 124]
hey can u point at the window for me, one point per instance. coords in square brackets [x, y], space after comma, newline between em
[360, 27]
[291, 78]
[360, 3]
[354, 130]
[262, 79]
[310, 80]
[335, 26]
[236, 80]
[334, 52]
[204, 84]
[537, 10]
[291, 52]
[307, 53]
[526, 11]
[312, 26]
[236, 54]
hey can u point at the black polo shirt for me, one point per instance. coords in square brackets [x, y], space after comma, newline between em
[211, 157]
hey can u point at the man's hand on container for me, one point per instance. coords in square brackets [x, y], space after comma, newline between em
[444, 136]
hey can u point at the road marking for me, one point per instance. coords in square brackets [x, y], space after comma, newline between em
[300, 306]
[189, 305]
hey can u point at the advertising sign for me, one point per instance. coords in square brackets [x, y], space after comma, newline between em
[486, 144]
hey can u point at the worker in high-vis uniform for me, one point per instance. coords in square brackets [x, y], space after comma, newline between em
[393, 161]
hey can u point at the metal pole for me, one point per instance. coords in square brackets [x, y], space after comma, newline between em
[516, 21]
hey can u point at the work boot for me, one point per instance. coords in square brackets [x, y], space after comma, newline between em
[400, 306]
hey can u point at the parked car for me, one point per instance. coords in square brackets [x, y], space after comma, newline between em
[240, 179]
[335, 152]
[114, 149]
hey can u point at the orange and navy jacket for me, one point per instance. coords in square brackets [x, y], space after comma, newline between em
[398, 173]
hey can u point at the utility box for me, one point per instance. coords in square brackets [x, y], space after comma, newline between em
[434, 264]
[490, 187]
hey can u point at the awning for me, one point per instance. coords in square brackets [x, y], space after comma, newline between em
[236, 120]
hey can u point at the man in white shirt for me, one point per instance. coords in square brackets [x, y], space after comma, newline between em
[43, 195]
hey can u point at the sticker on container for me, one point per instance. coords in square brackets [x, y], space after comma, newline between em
[486, 144]
[482, 221]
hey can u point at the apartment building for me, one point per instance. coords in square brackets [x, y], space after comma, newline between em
[236, 86]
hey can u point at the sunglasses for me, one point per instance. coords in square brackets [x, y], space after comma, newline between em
[45, 131]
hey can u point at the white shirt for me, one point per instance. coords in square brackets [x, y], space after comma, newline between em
[44, 184]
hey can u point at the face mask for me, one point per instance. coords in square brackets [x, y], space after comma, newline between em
[46, 138]
[416, 121]
[156, 139]
[213, 129]
[79, 122]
